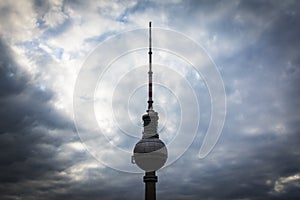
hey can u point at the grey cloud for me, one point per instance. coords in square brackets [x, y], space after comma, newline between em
[23, 102]
[28, 147]
[264, 69]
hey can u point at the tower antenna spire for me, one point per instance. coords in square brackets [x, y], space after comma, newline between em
[150, 101]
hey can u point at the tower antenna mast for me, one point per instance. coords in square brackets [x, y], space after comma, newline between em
[150, 101]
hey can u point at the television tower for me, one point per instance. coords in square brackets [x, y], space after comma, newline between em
[150, 153]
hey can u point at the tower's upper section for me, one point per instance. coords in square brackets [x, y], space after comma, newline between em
[150, 101]
[150, 153]
[151, 118]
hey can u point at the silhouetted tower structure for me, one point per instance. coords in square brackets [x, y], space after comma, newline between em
[150, 153]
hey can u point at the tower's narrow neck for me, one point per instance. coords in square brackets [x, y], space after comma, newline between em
[150, 180]
[150, 101]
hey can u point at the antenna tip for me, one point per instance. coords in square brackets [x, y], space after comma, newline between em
[150, 24]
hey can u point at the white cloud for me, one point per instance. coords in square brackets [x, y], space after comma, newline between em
[79, 172]
[55, 16]
[18, 21]
[283, 183]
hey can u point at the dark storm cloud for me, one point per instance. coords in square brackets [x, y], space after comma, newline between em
[248, 162]
[29, 127]
[34, 160]
[239, 168]
[265, 70]
[23, 102]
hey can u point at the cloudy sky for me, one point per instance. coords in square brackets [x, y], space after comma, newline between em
[52, 150]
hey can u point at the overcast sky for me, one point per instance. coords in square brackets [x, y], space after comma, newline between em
[46, 155]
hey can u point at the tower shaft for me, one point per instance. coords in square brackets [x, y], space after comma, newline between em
[150, 180]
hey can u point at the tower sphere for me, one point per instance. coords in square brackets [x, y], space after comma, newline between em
[150, 154]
